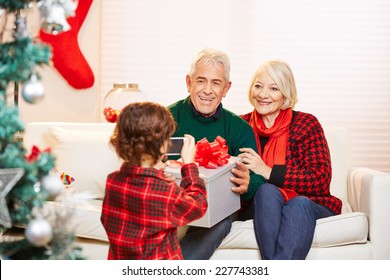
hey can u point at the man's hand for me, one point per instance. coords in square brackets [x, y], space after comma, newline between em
[241, 179]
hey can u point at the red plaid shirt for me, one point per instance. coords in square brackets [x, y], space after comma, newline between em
[141, 211]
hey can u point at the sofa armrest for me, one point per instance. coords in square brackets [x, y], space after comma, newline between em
[369, 192]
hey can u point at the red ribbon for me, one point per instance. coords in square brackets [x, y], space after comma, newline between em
[35, 152]
[212, 155]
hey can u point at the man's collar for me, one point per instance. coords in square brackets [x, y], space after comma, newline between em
[215, 116]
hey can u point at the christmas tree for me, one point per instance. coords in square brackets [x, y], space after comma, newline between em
[27, 179]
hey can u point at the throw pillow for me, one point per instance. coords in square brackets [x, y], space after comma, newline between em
[86, 155]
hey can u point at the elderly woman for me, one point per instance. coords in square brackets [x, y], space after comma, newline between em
[293, 155]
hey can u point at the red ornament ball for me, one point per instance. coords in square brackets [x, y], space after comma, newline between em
[110, 114]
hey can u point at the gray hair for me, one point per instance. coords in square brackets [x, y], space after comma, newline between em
[210, 55]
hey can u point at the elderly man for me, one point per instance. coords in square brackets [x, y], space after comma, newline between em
[201, 114]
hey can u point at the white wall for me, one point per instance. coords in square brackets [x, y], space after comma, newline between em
[339, 51]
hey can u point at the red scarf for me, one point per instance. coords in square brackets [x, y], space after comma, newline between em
[275, 150]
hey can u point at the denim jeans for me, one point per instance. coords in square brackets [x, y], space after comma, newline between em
[284, 230]
[200, 243]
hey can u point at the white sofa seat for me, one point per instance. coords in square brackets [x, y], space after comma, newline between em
[85, 221]
[362, 231]
[349, 228]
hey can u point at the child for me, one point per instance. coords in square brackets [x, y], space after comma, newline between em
[142, 208]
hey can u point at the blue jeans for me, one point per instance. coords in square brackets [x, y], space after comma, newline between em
[200, 243]
[284, 230]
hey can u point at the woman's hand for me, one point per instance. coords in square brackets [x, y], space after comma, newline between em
[254, 162]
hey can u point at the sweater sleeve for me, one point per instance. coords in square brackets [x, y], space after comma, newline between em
[278, 174]
[191, 202]
[308, 170]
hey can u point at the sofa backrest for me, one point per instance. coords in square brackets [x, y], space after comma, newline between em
[74, 144]
[340, 151]
[37, 133]
[82, 151]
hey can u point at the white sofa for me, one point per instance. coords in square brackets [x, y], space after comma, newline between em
[362, 231]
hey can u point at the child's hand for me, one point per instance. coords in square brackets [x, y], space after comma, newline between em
[188, 151]
[160, 165]
[168, 177]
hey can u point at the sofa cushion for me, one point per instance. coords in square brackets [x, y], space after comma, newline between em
[86, 156]
[347, 228]
[84, 218]
[340, 230]
[337, 230]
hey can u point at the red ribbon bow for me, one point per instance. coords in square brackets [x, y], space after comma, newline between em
[212, 155]
[35, 152]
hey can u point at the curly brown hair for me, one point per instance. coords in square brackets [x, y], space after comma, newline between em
[142, 128]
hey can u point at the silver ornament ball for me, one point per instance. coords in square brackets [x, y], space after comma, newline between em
[39, 232]
[53, 185]
[33, 90]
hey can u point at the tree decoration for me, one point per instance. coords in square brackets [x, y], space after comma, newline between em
[21, 56]
[33, 90]
[54, 14]
[39, 232]
[8, 179]
[26, 181]
[53, 185]
[14, 5]
[67, 56]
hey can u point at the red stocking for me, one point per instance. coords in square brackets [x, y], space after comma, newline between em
[67, 56]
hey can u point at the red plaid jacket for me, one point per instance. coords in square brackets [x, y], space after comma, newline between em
[141, 211]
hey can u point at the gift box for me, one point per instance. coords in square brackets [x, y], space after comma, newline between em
[222, 202]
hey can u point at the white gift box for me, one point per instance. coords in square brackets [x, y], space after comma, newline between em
[222, 201]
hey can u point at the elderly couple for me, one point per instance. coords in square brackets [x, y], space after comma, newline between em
[287, 188]
[285, 173]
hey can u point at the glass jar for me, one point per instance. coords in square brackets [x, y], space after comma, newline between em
[118, 97]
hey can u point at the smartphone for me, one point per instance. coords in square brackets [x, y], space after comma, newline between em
[177, 145]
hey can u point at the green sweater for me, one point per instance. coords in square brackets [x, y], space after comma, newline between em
[237, 133]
